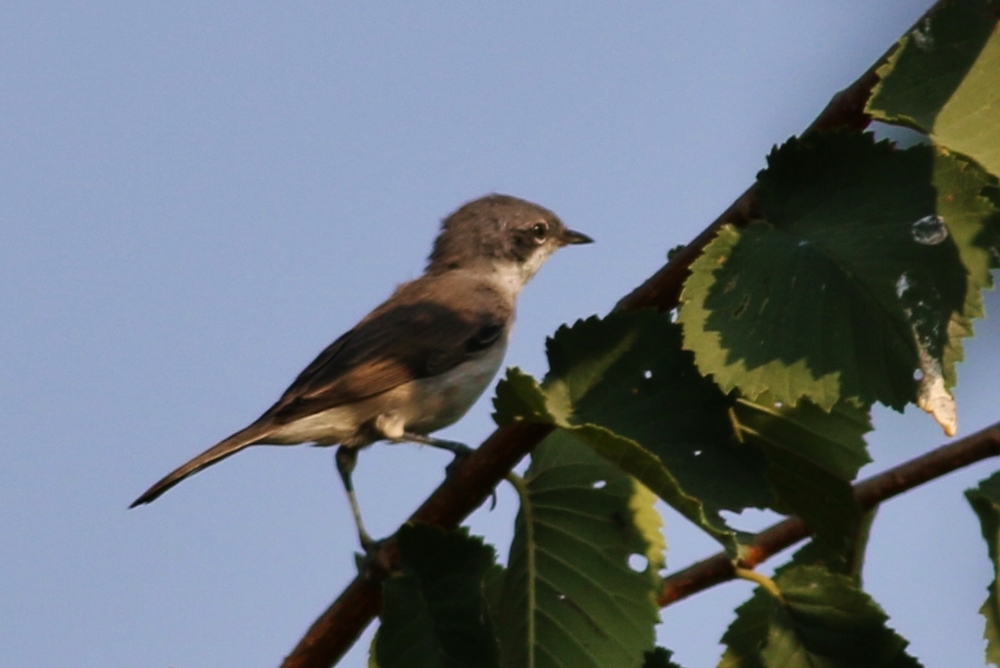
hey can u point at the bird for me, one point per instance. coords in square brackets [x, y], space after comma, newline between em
[418, 361]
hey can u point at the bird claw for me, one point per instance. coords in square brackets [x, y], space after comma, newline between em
[368, 563]
[460, 455]
[462, 451]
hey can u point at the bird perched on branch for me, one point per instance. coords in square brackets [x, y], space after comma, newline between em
[419, 361]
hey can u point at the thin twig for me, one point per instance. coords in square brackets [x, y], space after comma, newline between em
[869, 493]
[471, 483]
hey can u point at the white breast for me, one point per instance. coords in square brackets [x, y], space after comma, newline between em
[421, 406]
[443, 399]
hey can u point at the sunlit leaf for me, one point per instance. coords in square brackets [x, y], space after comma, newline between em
[944, 80]
[861, 277]
[579, 588]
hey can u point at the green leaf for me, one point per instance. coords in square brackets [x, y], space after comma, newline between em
[812, 455]
[831, 439]
[846, 560]
[748, 633]
[492, 589]
[861, 276]
[985, 500]
[624, 386]
[944, 80]
[433, 612]
[570, 596]
[971, 208]
[821, 620]
[659, 658]
[628, 374]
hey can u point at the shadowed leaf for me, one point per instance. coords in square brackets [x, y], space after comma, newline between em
[434, 612]
[812, 458]
[659, 658]
[822, 620]
[625, 387]
[985, 500]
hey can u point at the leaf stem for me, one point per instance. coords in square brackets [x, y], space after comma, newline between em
[753, 576]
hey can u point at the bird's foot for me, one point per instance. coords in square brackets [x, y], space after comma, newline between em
[368, 563]
[460, 450]
[460, 456]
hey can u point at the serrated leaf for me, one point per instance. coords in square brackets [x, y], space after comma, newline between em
[747, 634]
[625, 387]
[812, 457]
[944, 80]
[831, 439]
[985, 500]
[628, 374]
[971, 208]
[855, 282]
[659, 658]
[569, 595]
[433, 612]
[821, 620]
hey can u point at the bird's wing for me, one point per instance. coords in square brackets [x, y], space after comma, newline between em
[403, 340]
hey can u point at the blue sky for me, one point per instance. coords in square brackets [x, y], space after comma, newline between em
[195, 198]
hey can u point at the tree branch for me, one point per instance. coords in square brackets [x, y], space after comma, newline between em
[338, 628]
[869, 493]
[466, 489]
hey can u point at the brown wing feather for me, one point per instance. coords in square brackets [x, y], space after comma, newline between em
[421, 331]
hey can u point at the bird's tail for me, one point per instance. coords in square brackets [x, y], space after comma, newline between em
[244, 438]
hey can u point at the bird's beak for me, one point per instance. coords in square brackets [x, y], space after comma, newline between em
[574, 237]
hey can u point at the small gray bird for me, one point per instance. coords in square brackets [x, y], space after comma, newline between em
[419, 361]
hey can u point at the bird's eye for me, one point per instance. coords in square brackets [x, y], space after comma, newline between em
[539, 231]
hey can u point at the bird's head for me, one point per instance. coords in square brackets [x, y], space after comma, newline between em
[505, 235]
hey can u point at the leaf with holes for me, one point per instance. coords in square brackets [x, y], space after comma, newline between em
[433, 611]
[944, 80]
[624, 386]
[570, 595]
[866, 272]
[985, 500]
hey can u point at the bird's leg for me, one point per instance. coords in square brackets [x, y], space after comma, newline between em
[460, 450]
[393, 429]
[346, 458]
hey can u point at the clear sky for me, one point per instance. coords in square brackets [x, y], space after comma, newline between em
[196, 197]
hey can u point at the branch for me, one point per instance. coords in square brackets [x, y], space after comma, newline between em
[869, 493]
[463, 491]
[338, 628]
